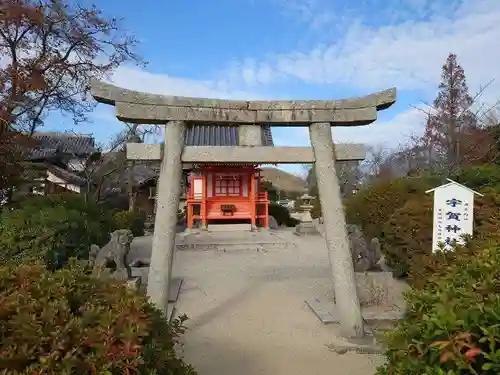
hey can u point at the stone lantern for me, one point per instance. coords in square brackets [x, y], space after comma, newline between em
[306, 226]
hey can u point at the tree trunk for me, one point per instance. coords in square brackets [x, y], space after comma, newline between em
[132, 195]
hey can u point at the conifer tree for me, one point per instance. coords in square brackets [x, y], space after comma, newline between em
[451, 117]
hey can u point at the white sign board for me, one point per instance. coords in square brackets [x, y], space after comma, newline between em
[453, 214]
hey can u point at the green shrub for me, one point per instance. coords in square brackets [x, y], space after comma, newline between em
[452, 324]
[133, 220]
[316, 210]
[53, 228]
[372, 206]
[480, 177]
[282, 215]
[72, 321]
[407, 235]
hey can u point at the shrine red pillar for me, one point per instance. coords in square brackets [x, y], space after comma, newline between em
[203, 208]
[252, 198]
[189, 205]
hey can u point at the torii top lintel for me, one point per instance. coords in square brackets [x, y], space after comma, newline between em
[142, 108]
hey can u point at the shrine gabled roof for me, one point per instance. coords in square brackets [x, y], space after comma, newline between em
[220, 135]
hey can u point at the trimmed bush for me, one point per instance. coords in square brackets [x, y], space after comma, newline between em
[372, 206]
[407, 233]
[72, 321]
[407, 236]
[451, 326]
[133, 220]
[53, 228]
[282, 215]
[316, 210]
[480, 177]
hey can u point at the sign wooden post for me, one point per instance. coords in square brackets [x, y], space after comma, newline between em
[453, 214]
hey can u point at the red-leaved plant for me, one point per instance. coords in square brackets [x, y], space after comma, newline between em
[74, 321]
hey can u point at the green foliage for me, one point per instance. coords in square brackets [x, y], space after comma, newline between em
[282, 215]
[372, 206]
[72, 321]
[316, 210]
[407, 235]
[133, 220]
[53, 228]
[452, 323]
[272, 193]
[480, 177]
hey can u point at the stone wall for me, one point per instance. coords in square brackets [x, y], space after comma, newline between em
[380, 289]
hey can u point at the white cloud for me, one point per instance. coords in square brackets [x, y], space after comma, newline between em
[404, 124]
[403, 53]
[140, 80]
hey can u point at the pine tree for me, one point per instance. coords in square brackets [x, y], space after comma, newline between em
[451, 117]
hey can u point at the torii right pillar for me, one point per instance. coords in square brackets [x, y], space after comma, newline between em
[336, 236]
[346, 297]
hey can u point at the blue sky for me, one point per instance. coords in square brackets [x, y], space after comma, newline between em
[308, 49]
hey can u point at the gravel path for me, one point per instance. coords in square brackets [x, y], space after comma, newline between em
[248, 316]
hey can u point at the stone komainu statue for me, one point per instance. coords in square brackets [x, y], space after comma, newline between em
[114, 254]
[365, 257]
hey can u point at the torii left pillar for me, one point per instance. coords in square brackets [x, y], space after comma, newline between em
[169, 190]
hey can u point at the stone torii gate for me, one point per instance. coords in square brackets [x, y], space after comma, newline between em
[177, 113]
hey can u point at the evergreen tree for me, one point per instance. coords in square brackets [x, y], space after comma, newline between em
[451, 118]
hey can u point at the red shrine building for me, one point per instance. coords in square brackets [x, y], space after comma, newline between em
[224, 193]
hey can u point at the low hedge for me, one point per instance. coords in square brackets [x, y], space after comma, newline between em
[480, 177]
[407, 235]
[133, 220]
[53, 228]
[282, 215]
[451, 326]
[372, 206]
[73, 321]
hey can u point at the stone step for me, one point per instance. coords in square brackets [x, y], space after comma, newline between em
[227, 246]
[229, 227]
[230, 241]
[217, 241]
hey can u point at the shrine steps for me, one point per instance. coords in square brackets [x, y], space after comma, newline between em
[229, 227]
[243, 240]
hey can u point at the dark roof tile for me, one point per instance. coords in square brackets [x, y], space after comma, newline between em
[220, 135]
[50, 144]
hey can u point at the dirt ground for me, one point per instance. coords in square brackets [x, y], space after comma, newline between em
[247, 314]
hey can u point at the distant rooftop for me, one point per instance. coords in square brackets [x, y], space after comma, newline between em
[56, 143]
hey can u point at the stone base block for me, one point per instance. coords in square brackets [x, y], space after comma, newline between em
[171, 312]
[380, 289]
[377, 319]
[361, 345]
[306, 229]
[175, 289]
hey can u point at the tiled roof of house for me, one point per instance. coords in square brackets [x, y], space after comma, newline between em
[68, 176]
[220, 135]
[53, 143]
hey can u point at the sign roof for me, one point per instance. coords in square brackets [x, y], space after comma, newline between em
[451, 182]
